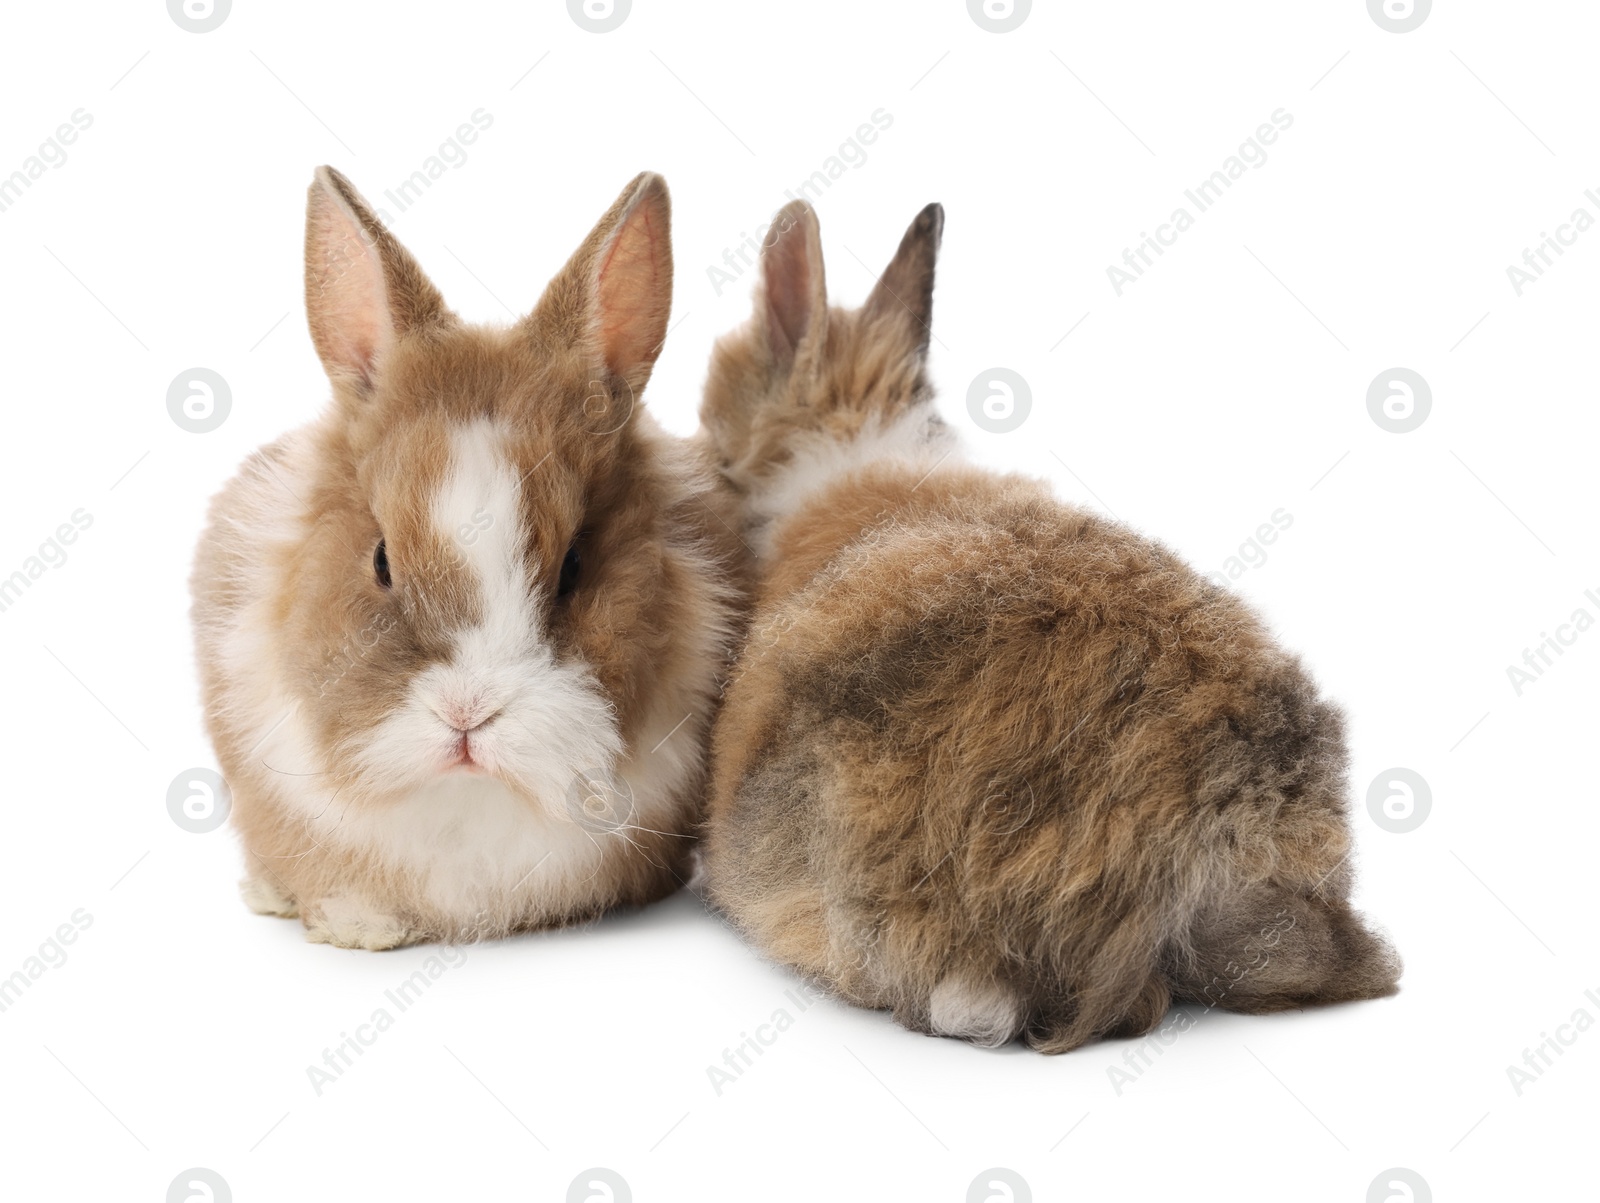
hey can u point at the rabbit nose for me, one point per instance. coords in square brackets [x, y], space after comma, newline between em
[466, 718]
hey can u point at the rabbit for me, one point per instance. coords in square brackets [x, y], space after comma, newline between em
[460, 638]
[986, 760]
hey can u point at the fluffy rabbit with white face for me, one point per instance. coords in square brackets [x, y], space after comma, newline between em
[459, 639]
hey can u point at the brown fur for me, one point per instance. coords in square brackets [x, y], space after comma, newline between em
[286, 562]
[987, 748]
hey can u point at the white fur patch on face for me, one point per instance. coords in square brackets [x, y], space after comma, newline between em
[986, 1014]
[477, 513]
[819, 461]
[502, 704]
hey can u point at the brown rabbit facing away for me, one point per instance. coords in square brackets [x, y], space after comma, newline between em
[460, 639]
[987, 760]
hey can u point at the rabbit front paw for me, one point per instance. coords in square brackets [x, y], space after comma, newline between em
[265, 897]
[347, 921]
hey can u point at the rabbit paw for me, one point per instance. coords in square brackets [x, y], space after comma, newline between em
[987, 1014]
[265, 897]
[348, 922]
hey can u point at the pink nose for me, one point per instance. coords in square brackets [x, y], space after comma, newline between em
[465, 718]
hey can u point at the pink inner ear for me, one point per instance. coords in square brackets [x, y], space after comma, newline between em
[787, 269]
[349, 308]
[634, 293]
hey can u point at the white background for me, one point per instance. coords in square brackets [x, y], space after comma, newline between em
[1227, 383]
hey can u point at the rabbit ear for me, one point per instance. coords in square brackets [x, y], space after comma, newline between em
[904, 292]
[614, 295]
[792, 303]
[363, 289]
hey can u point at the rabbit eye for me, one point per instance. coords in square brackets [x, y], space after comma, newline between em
[570, 567]
[380, 565]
